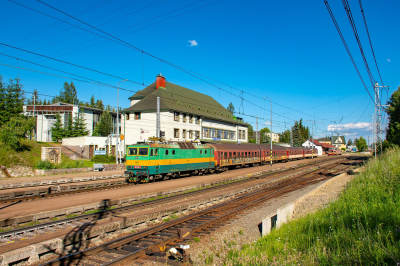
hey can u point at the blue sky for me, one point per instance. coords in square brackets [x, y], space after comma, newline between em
[287, 50]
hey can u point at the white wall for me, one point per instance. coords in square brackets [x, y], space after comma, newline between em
[86, 140]
[309, 144]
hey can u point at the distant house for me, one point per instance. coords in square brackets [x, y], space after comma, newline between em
[313, 143]
[275, 136]
[339, 142]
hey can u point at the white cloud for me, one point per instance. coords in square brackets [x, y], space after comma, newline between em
[193, 43]
[352, 130]
[388, 60]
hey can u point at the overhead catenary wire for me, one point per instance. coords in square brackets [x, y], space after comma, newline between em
[144, 51]
[347, 48]
[370, 42]
[353, 26]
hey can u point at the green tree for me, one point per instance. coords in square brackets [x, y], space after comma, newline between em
[284, 137]
[297, 136]
[231, 108]
[250, 133]
[349, 142]
[57, 130]
[99, 104]
[264, 138]
[393, 111]
[69, 131]
[92, 102]
[68, 94]
[16, 128]
[79, 127]
[104, 126]
[361, 144]
[11, 99]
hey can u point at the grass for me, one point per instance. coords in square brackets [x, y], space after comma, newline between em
[28, 155]
[361, 228]
[196, 239]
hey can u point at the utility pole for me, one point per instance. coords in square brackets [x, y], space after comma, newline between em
[257, 129]
[378, 117]
[34, 107]
[117, 135]
[291, 136]
[373, 133]
[271, 126]
[158, 133]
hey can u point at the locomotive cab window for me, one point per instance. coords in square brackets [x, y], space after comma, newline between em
[205, 151]
[166, 152]
[132, 151]
[143, 151]
[155, 152]
[173, 152]
[152, 152]
[201, 151]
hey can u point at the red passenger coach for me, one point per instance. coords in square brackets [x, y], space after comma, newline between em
[226, 155]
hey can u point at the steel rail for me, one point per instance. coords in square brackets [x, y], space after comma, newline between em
[125, 240]
[108, 212]
[99, 188]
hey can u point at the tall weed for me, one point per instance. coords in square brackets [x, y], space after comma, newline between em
[361, 228]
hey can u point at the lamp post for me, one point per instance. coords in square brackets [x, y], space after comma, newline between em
[271, 126]
[116, 137]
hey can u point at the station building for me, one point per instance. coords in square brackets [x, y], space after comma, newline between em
[185, 115]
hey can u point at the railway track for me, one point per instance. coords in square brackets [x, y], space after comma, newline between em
[107, 212]
[152, 243]
[8, 196]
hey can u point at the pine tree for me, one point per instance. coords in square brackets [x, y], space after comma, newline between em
[57, 130]
[92, 102]
[231, 108]
[69, 132]
[350, 142]
[99, 104]
[11, 100]
[104, 127]
[297, 136]
[68, 94]
[44, 102]
[393, 111]
[108, 108]
[79, 126]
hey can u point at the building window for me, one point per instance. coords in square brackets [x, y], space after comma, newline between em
[176, 133]
[184, 118]
[184, 133]
[138, 116]
[197, 134]
[176, 116]
[198, 120]
[190, 119]
[127, 116]
[190, 134]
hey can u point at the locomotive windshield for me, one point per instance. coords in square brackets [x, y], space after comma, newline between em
[132, 151]
[143, 151]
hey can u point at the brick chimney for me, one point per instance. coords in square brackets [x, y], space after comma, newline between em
[160, 81]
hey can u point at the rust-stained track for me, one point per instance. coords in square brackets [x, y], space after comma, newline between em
[153, 242]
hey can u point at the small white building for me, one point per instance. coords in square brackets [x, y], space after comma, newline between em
[313, 144]
[185, 115]
[46, 116]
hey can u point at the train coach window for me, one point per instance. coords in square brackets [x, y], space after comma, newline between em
[132, 151]
[166, 152]
[225, 155]
[143, 151]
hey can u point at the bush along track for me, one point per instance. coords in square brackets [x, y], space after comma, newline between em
[361, 228]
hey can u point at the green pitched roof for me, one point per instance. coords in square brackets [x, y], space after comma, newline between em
[334, 138]
[180, 99]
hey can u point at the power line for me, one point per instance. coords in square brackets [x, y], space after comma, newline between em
[369, 38]
[353, 26]
[345, 45]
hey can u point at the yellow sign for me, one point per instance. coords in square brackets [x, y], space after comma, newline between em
[122, 137]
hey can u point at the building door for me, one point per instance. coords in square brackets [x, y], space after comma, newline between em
[91, 148]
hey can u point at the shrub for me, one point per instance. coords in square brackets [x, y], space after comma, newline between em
[45, 165]
[103, 159]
